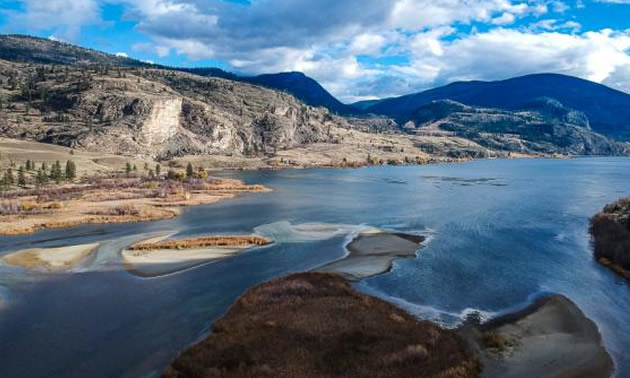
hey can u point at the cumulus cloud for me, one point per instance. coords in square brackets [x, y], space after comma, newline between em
[65, 17]
[365, 48]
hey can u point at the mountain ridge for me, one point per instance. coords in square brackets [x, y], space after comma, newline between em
[607, 108]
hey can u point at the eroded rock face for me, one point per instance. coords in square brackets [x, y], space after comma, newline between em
[155, 113]
[163, 122]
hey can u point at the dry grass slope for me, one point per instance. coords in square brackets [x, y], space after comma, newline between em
[316, 325]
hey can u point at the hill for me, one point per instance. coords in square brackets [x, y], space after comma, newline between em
[21, 48]
[546, 126]
[304, 88]
[607, 109]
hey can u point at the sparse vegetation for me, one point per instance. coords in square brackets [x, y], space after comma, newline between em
[316, 325]
[610, 230]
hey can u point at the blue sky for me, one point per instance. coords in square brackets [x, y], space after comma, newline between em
[358, 49]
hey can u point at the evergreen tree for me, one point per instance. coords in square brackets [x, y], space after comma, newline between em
[128, 169]
[28, 165]
[41, 179]
[55, 172]
[71, 170]
[10, 176]
[189, 170]
[21, 177]
[157, 170]
[44, 167]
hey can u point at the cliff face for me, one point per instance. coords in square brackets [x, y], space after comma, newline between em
[545, 126]
[156, 113]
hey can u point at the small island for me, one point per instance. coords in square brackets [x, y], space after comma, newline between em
[158, 257]
[373, 252]
[610, 230]
[57, 259]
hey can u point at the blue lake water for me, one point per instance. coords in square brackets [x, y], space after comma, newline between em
[501, 233]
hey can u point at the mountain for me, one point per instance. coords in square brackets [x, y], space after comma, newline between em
[149, 112]
[545, 126]
[304, 88]
[607, 109]
[365, 104]
[21, 48]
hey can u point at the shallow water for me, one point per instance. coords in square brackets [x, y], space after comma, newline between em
[501, 232]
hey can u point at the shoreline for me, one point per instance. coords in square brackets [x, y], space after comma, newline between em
[550, 338]
[127, 201]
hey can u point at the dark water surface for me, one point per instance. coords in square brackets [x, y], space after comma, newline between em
[501, 232]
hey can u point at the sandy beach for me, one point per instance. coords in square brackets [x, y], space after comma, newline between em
[50, 259]
[157, 257]
[372, 253]
[551, 338]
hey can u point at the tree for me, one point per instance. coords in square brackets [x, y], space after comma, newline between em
[157, 170]
[128, 169]
[71, 170]
[55, 172]
[21, 177]
[44, 167]
[10, 176]
[171, 175]
[29, 165]
[41, 179]
[189, 170]
[135, 168]
[180, 175]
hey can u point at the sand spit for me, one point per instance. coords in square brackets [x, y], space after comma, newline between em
[551, 338]
[373, 253]
[50, 259]
[160, 257]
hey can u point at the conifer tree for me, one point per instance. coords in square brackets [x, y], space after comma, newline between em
[21, 177]
[71, 170]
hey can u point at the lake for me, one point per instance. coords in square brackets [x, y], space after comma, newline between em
[501, 233]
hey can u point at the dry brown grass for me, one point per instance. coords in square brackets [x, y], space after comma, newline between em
[106, 200]
[315, 325]
[203, 242]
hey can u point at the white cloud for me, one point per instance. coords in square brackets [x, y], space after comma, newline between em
[66, 17]
[122, 54]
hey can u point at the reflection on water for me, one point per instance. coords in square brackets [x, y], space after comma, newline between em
[503, 232]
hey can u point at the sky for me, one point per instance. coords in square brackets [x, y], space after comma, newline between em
[357, 49]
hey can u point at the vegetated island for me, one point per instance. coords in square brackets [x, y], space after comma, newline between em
[157, 257]
[112, 200]
[610, 230]
[56, 259]
[316, 325]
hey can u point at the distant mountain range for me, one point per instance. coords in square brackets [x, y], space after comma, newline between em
[607, 109]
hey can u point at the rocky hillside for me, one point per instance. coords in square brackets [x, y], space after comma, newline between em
[607, 109]
[546, 126]
[21, 48]
[152, 112]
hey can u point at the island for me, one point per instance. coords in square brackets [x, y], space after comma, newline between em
[610, 231]
[373, 252]
[317, 325]
[57, 259]
[158, 257]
